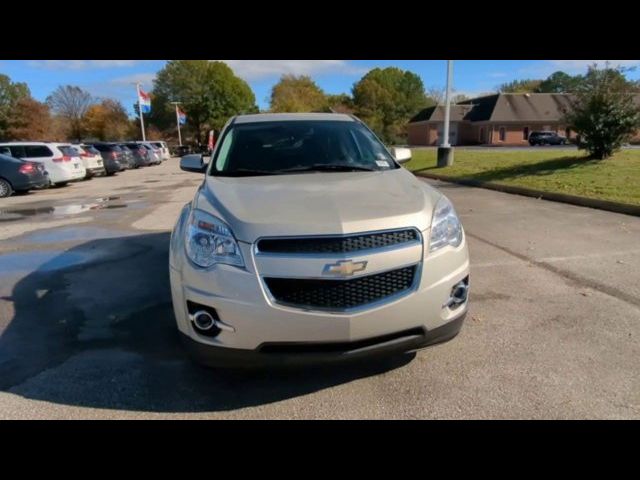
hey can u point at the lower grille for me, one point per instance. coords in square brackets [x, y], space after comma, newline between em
[341, 294]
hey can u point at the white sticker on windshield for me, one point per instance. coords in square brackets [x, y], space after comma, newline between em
[382, 163]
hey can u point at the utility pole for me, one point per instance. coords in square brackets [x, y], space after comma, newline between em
[178, 121]
[445, 151]
[144, 138]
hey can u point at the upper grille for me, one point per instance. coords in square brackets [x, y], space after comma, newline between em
[338, 244]
[341, 294]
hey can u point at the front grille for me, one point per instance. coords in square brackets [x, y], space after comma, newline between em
[338, 244]
[341, 294]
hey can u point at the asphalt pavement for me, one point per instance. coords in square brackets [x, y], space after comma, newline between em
[87, 330]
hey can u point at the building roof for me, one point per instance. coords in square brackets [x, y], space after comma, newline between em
[503, 107]
[285, 117]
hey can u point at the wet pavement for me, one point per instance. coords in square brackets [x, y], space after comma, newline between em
[87, 328]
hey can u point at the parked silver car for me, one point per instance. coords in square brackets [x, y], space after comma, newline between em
[308, 242]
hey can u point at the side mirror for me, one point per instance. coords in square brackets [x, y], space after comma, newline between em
[402, 155]
[193, 163]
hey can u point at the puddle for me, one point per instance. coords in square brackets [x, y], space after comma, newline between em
[10, 215]
[70, 234]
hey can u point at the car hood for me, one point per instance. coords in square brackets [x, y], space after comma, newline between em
[318, 203]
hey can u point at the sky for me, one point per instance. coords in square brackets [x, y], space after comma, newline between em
[114, 78]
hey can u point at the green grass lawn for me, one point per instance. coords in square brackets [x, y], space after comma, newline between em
[567, 171]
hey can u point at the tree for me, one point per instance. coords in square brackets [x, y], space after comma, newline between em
[387, 98]
[520, 86]
[209, 91]
[459, 97]
[10, 94]
[71, 103]
[559, 82]
[603, 112]
[29, 120]
[297, 94]
[341, 103]
[107, 120]
[437, 94]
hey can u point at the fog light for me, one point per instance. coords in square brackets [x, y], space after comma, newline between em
[205, 320]
[459, 294]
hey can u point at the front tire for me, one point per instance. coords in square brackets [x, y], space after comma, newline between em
[5, 188]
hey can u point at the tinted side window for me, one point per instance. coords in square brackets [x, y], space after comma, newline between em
[37, 151]
[17, 151]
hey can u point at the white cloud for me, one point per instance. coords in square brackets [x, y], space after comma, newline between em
[81, 64]
[146, 79]
[580, 65]
[261, 69]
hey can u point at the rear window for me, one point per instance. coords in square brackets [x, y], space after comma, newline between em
[68, 150]
[157, 144]
[91, 150]
[37, 151]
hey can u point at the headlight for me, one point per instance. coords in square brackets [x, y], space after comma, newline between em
[445, 226]
[210, 241]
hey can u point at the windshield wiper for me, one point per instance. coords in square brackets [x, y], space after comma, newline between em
[328, 167]
[246, 172]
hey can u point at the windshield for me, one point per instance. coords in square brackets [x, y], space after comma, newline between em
[283, 147]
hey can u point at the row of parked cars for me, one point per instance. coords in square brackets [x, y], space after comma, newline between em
[26, 166]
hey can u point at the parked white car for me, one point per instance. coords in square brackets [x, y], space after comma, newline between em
[91, 159]
[164, 148]
[62, 163]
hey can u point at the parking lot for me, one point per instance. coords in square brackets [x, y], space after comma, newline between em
[87, 329]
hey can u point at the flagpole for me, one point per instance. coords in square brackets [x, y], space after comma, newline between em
[178, 122]
[144, 138]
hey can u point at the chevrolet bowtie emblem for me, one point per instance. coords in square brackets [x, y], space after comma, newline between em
[344, 268]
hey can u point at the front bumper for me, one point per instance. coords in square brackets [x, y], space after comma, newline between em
[241, 301]
[312, 353]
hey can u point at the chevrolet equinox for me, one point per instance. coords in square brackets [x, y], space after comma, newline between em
[308, 242]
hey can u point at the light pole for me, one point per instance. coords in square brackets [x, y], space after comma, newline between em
[445, 151]
[178, 121]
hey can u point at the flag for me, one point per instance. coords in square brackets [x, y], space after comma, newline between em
[144, 101]
[182, 117]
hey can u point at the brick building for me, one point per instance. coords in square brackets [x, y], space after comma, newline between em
[499, 119]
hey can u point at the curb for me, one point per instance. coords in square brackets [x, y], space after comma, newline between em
[609, 206]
